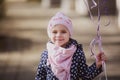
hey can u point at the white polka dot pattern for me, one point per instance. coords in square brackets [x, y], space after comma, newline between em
[79, 69]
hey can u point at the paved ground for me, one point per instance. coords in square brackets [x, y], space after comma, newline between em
[23, 37]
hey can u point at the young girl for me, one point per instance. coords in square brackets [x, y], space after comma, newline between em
[64, 58]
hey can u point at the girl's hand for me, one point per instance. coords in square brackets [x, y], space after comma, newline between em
[100, 57]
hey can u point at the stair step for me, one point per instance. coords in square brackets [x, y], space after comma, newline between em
[28, 10]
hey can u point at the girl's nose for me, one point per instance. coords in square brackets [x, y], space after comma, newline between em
[58, 34]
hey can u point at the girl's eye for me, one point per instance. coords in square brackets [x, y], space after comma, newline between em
[54, 32]
[63, 31]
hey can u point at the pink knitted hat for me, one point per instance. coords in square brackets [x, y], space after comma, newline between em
[59, 18]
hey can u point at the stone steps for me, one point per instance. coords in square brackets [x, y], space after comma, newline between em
[28, 10]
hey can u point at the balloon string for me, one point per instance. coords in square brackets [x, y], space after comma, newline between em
[86, 3]
[97, 39]
[94, 4]
[100, 42]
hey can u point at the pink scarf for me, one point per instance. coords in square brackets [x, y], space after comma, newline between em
[60, 60]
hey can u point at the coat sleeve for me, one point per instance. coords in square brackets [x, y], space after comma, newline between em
[41, 71]
[87, 72]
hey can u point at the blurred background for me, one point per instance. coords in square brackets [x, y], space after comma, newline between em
[23, 33]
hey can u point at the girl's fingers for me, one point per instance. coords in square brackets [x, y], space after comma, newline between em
[101, 57]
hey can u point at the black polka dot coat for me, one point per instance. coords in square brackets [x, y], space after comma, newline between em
[79, 70]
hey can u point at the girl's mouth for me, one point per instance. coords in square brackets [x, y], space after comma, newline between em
[59, 39]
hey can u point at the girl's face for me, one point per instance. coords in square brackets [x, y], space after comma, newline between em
[60, 35]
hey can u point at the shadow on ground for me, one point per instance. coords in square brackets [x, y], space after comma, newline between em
[109, 78]
[8, 44]
[17, 73]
